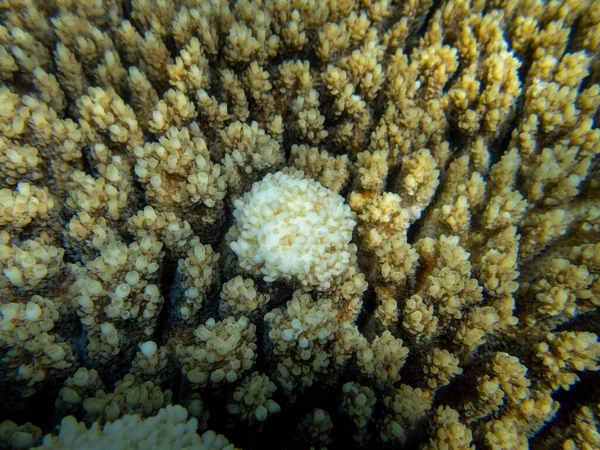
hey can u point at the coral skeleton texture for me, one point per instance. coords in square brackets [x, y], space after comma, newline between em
[300, 224]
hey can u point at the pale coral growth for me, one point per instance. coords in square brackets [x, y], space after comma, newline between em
[497, 267]
[155, 57]
[82, 384]
[19, 437]
[28, 52]
[22, 322]
[397, 260]
[456, 208]
[301, 337]
[118, 286]
[8, 65]
[294, 79]
[333, 39]
[257, 82]
[241, 45]
[563, 291]
[155, 15]
[197, 409]
[111, 73]
[446, 292]
[108, 194]
[49, 89]
[479, 153]
[19, 207]
[151, 363]
[357, 403]
[261, 22]
[503, 174]
[174, 110]
[234, 91]
[13, 115]
[441, 367]
[44, 359]
[30, 17]
[589, 35]
[378, 10]
[553, 97]
[487, 105]
[239, 297]
[129, 396]
[248, 152]
[381, 219]
[450, 432]
[221, 352]
[372, 171]
[558, 174]
[316, 428]
[144, 96]
[88, 233]
[284, 227]
[533, 412]
[474, 188]
[382, 360]
[419, 319]
[82, 36]
[196, 272]
[358, 26]
[403, 410]
[178, 174]
[504, 434]
[330, 171]
[346, 101]
[437, 63]
[450, 286]
[364, 69]
[61, 139]
[189, 21]
[589, 256]
[252, 399]
[418, 181]
[584, 431]
[456, 217]
[479, 322]
[504, 210]
[310, 125]
[103, 112]
[189, 70]
[348, 289]
[563, 353]
[128, 41]
[215, 114]
[29, 266]
[174, 232]
[74, 435]
[386, 313]
[524, 29]
[505, 383]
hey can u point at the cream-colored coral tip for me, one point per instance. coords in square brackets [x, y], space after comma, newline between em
[148, 349]
[293, 228]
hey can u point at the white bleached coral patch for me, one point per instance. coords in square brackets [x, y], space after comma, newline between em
[292, 228]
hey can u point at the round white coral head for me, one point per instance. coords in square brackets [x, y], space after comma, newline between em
[292, 228]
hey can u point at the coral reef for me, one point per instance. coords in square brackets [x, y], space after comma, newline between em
[344, 223]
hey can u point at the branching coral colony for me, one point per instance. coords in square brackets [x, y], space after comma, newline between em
[354, 223]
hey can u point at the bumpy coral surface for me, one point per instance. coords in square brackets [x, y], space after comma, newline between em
[300, 224]
[293, 229]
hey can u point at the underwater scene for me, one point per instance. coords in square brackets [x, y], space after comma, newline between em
[300, 224]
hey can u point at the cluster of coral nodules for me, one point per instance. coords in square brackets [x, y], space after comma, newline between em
[291, 228]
